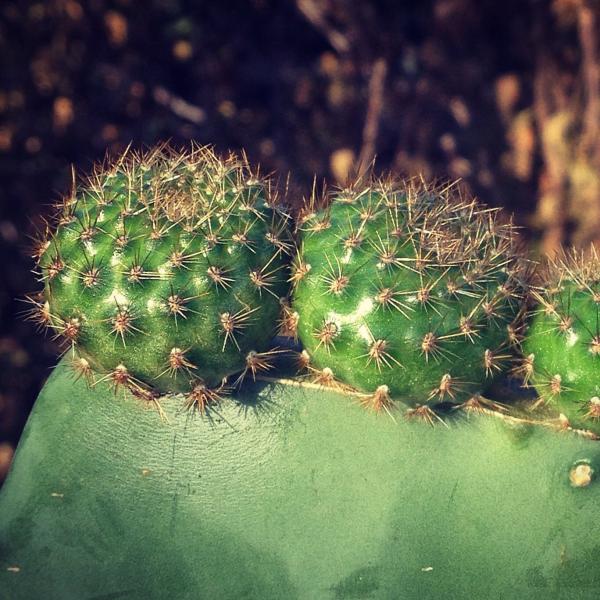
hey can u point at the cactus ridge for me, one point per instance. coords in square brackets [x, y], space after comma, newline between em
[406, 290]
[165, 270]
[562, 345]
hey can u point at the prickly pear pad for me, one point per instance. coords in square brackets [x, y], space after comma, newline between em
[406, 291]
[165, 270]
[292, 492]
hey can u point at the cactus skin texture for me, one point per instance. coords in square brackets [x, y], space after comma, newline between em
[304, 495]
[406, 291]
[562, 344]
[166, 270]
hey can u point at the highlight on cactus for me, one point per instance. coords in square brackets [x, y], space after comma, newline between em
[165, 272]
[562, 345]
[405, 290]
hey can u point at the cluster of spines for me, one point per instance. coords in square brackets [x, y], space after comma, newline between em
[168, 235]
[562, 346]
[409, 228]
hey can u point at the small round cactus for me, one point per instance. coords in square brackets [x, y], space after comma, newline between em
[166, 271]
[562, 344]
[406, 291]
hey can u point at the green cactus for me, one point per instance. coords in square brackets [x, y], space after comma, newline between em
[562, 344]
[406, 291]
[165, 272]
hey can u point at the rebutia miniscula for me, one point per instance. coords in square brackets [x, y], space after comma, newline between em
[562, 345]
[406, 291]
[165, 271]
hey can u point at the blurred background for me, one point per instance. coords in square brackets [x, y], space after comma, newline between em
[503, 95]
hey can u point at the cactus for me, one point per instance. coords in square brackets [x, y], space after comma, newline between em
[562, 344]
[292, 492]
[290, 489]
[165, 272]
[406, 291]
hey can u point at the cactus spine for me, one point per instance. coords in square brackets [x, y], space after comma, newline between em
[165, 271]
[406, 291]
